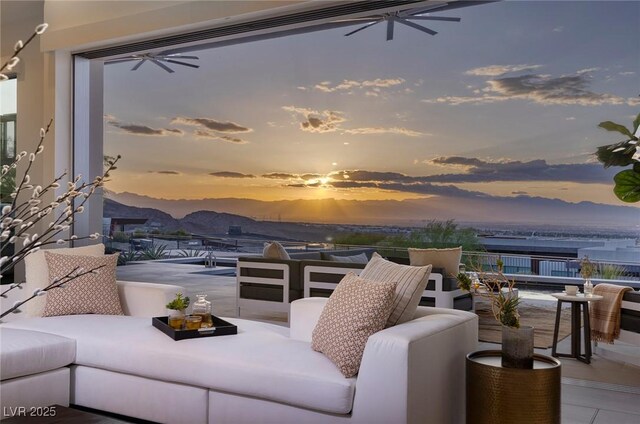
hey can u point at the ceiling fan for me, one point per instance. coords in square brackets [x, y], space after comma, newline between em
[158, 59]
[402, 17]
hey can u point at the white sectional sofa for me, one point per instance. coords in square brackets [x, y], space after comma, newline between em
[410, 373]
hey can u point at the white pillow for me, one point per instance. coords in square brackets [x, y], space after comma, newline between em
[37, 273]
[275, 250]
[411, 282]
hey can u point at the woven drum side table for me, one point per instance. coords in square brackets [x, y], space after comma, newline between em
[497, 395]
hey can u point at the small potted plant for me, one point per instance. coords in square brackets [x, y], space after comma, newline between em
[177, 308]
[587, 270]
[517, 340]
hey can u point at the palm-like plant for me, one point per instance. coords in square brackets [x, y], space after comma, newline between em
[155, 252]
[491, 284]
[623, 153]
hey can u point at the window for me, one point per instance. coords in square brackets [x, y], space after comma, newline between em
[8, 109]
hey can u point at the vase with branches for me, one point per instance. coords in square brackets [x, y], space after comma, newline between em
[587, 270]
[28, 221]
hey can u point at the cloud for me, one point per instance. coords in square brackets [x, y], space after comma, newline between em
[380, 130]
[331, 121]
[315, 121]
[230, 174]
[477, 170]
[308, 177]
[627, 73]
[519, 193]
[137, 129]
[496, 70]
[419, 188]
[166, 172]
[570, 118]
[214, 136]
[349, 85]
[370, 176]
[558, 29]
[212, 124]
[280, 176]
[540, 89]
[587, 71]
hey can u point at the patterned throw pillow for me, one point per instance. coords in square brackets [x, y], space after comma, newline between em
[447, 259]
[37, 273]
[355, 310]
[93, 293]
[412, 280]
[275, 250]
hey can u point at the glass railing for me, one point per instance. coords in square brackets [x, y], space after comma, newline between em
[521, 267]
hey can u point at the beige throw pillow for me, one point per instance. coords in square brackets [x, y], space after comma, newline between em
[447, 259]
[356, 309]
[37, 273]
[411, 282]
[93, 293]
[275, 250]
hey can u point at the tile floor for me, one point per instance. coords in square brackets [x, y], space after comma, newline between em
[605, 392]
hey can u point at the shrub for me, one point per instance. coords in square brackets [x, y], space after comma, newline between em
[120, 237]
[155, 252]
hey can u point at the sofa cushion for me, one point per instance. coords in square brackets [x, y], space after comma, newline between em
[356, 309]
[92, 293]
[260, 361]
[447, 259]
[411, 282]
[354, 259]
[274, 250]
[26, 352]
[37, 273]
[306, 255]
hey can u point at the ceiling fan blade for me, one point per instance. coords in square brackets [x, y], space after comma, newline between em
[390, 29]
[416, 26]
[176, 56]
[434, 18]
[181, 63]
[162, 65]
[361, 28]
[139, 64]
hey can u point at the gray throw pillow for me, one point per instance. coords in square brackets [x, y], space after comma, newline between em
[353, 259]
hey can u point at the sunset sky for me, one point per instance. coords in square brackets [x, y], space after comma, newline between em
[504, 103]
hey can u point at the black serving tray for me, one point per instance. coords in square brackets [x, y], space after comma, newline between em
[220, 328]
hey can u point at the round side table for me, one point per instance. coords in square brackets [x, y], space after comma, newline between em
[497, 395]
[577, 301]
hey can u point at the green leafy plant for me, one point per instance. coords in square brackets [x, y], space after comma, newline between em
[120, 237]
[491, 285]
[179, 303]
[129, 256]
[611, 272]
[190, 253]
[623, 153]
[155, 252]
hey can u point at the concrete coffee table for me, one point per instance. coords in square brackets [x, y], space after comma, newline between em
[577, 301]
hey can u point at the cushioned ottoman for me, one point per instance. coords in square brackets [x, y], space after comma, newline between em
[33, 369]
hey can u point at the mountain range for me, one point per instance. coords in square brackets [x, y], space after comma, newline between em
[217, 224]
[506, 210]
